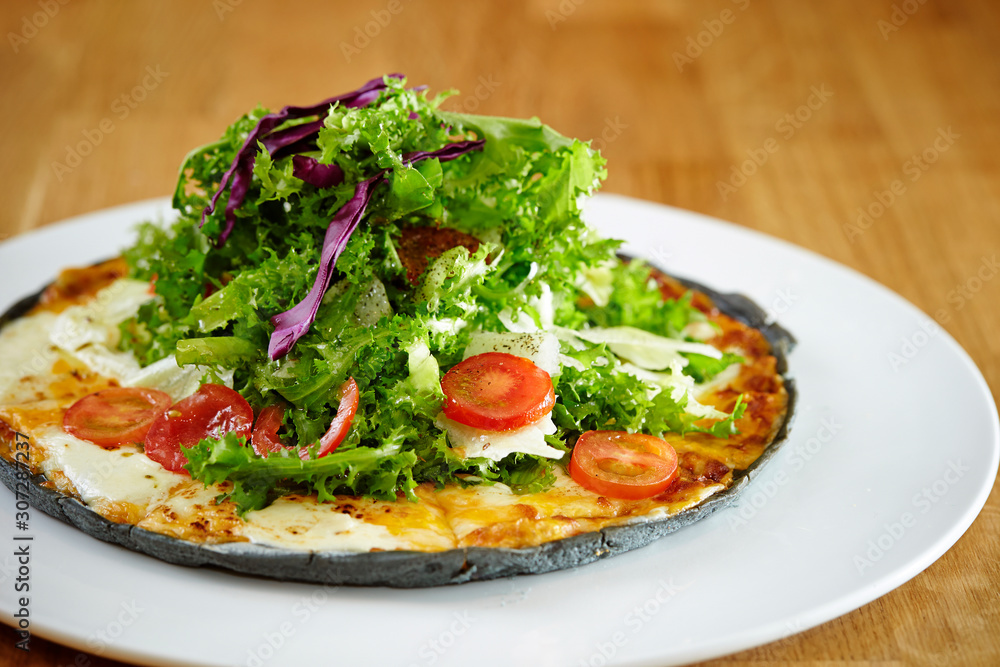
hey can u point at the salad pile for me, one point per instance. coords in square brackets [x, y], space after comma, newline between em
[331, 264]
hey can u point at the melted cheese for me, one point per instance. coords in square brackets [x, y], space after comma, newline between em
[306, 524]
[26, 359]
[469, 442]
[124, 474]
[492, 515]
[90, 333]
[191, 513]
[352, 524]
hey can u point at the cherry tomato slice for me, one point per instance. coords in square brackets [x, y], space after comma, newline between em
[210, 412]
[264, 439]
[115, 416]
[496, 391]
[341, 424]
[623, 465]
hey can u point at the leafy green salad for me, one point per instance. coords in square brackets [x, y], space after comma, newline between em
[285, 275]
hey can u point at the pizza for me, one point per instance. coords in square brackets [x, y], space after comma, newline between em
[394, 355]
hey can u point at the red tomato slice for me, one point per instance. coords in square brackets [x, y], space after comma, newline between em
[623, 465]
[264, 439]
[341, 423]
[115, 416]
[496, 391]
[210, 412]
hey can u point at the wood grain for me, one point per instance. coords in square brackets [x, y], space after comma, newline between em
[672, 131]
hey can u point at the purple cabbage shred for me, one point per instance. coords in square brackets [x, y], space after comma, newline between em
[237, 177]
[292, 324]
[315, 173]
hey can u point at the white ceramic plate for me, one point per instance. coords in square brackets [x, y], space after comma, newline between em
[888, 464]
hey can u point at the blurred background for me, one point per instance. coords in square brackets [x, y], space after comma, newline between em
[864, 130]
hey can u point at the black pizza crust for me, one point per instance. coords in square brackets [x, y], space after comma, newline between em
[412, 569]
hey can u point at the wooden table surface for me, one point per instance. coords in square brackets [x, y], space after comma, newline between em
[849, 105]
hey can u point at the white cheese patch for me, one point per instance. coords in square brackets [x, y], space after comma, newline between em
[495, 445]
[566, 360]
[26, 358]
[544, 306]
[642, 348]
[679, 385]
[112, 364]
[540, 348]
[700, 330]
[598, 283]
[178, 381]
[123, 474]
[446, 325]
[90, 333]
[309, 525]
[29, 346]
[523, 323]
[96, 321]
[723, 379]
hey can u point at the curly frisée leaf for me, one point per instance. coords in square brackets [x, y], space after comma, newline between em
[292, 324]
[382, 472]
[237, 177]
